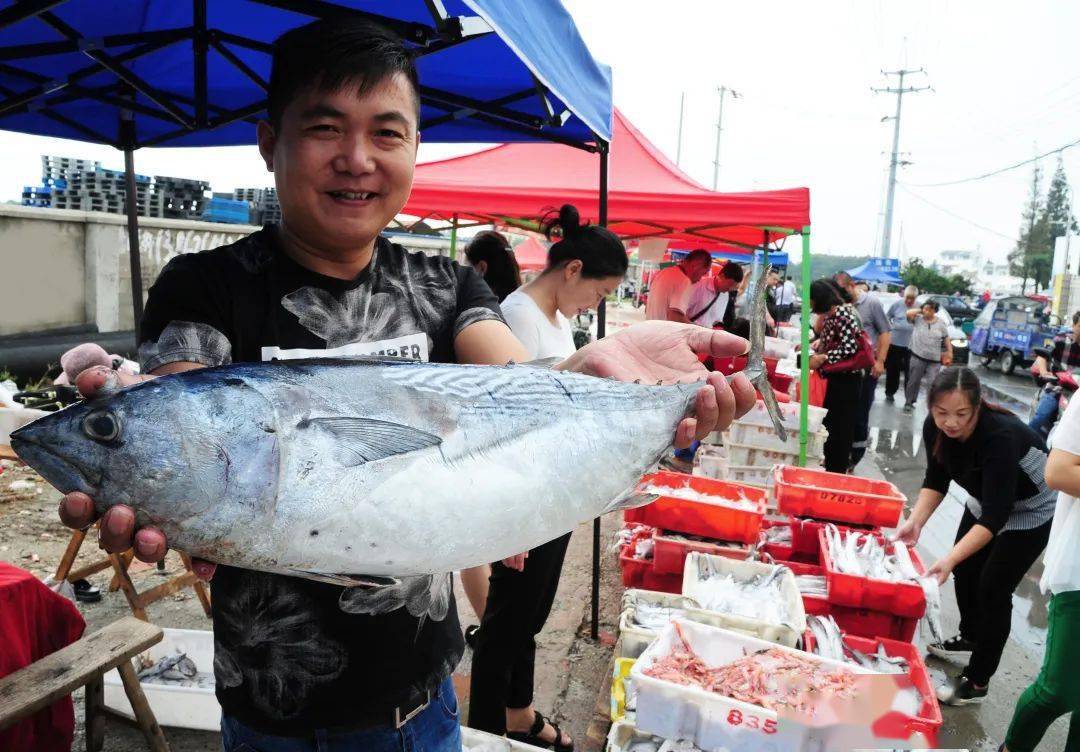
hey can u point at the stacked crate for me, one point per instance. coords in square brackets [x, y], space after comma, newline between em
[178, 198]
[264, 202]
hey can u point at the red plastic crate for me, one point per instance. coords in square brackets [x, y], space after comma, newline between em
[806, 492]
[781, 382]
[812, 604]
[633, 570]
[701, 518]
[804, 535]
[927, 719]
[864, 622]
[728, 366]
[669, 552]
[897, 598]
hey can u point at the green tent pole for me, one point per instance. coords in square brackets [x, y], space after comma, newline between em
[453, 239]
[804, 369]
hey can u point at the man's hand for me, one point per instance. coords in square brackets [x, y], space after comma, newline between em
[663, 351]
[118, 532]
[517, 561]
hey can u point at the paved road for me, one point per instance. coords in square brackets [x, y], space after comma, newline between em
[896, 448]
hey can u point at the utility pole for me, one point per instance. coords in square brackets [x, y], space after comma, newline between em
[719, 127]
[899, 91]
[682, 112]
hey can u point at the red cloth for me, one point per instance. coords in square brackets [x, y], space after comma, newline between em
[647, 194]
[34, 622]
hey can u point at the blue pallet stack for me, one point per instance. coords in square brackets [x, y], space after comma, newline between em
[227, 210]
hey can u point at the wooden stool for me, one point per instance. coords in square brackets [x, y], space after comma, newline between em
[83, 663]
[122, 580]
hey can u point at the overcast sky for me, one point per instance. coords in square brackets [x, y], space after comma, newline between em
[1006, 85]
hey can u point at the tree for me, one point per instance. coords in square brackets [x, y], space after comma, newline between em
[1033, 254]
[930, 280]
[1057, 212]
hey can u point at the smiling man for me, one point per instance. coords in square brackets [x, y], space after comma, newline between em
[293, 671]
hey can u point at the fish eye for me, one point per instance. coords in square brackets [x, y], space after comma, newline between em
[101, 426]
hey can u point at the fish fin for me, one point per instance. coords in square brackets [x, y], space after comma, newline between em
[346, 580]
[424, 596]
[363, 440]
[630, 500]
[544, 362]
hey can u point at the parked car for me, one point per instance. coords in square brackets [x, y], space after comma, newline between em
[1010, 329]
[958, 309]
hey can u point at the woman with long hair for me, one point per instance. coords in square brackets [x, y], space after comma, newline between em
[1000, 462]
[838, 342]
[489, 252]
[584, 266]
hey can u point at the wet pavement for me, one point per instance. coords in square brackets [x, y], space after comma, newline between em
[896, 449]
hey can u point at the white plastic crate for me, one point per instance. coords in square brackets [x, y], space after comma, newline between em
[711, 461]
[481, 741]
[675, 711]
[789, 415]
[751, 475]
[746, 455]
[174, 705]
[624, 736]
[634, 638]
[778, 348]
[764, 437]
[787, 633]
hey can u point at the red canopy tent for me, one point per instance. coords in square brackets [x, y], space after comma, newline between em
[648, 196]
[531, 254]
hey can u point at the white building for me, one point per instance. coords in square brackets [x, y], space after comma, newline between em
[967, 263]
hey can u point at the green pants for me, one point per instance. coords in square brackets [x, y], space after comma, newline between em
[1056, 691]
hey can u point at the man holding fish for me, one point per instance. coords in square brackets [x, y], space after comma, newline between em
[294, 666]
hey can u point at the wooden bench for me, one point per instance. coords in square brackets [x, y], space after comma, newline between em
[83, 663]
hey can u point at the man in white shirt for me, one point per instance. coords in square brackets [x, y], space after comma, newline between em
[710, 300]
[669, 291]
[785, 299]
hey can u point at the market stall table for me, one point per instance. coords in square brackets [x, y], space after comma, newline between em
[35, 622]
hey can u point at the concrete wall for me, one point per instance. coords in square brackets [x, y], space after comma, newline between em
[66, 268]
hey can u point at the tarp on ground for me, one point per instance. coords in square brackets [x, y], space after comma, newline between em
[490, 70]
[647, 194]
[877, 270]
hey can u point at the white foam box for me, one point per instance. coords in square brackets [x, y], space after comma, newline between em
[789, 416]
[675, 711]
[12, 418]
[746, 455]
[751, 475]
[765, 437]
[481, 741]
[174, 705]
[623, 736]
[787, 634]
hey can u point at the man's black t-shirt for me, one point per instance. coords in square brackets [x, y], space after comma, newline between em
[287, 659]
[1066, 353]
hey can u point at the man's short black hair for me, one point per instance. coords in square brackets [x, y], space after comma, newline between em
[698, 255]
[732, 271]
[332, 53]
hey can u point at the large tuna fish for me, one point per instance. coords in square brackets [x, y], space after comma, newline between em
[372, 473]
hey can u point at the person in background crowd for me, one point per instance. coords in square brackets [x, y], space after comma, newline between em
[1056, 690]
[489, 252]
[876, 324]
[896, 362]
[1000, 463]
[583, 268]
[930, 350]
[669, 290]
[1064, 356]
[711, 301]
[785, 297]
[838, 342]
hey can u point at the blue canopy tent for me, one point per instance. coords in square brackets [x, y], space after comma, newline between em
[884, 271]
[139, 73]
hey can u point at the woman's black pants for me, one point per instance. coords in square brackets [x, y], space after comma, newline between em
[518, 604]
[984, 589]
[842, 401]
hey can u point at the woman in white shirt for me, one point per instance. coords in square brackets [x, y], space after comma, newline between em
[584, 267]
[1056, 690]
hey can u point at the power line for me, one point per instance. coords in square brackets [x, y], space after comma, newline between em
[998, 172]
[954, 215]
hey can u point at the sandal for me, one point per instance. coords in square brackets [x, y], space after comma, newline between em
[532, 736]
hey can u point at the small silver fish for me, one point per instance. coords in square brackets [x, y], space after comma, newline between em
[177, 667]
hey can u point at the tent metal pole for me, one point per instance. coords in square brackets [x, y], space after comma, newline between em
[453, 237]
[127, 136]
[804, 360]
[601, 322]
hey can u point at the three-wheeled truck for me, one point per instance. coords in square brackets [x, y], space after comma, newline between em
[1010, 329]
